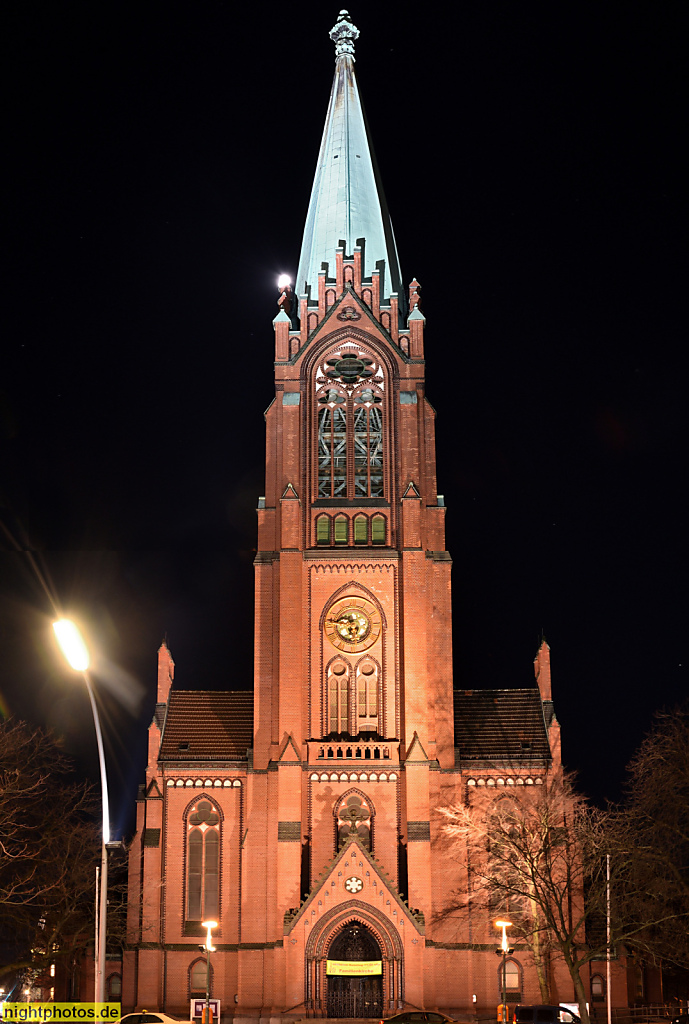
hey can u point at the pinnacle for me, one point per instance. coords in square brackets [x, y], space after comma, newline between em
[344, 34]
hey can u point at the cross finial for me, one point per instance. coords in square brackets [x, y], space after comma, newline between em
[344, 34]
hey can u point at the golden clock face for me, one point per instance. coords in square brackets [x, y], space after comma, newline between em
[353, 624]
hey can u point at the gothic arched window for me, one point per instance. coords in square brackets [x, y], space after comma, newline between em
[349, 402]
[367, 676]
[512, 978]
[354, 819]
[360, 530]
[332, 445]
[368, 444]
[506, 883]
[323, 529]
[338, 696]
[597, 988]
[197, 977]
[378, 529]
[203, 862]
[341, 529]
[113, 988]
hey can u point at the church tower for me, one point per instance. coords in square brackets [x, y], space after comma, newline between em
[353, 669]
[352, 577]
[302, 818]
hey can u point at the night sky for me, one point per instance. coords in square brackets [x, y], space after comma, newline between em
[160, 160]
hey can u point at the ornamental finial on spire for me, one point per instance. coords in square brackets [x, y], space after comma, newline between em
[344, 34]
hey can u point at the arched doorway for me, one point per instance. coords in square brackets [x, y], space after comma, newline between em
[355, 995]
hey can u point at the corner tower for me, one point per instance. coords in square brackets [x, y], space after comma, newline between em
[353, 666]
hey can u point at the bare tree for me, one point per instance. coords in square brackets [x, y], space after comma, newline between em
[651, 841]
[49, 847]
[533, 853]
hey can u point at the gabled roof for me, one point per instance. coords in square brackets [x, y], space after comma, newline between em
[347, 200]
[500, 725]
[208, 726]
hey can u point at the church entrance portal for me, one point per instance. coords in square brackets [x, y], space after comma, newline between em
[355, 995]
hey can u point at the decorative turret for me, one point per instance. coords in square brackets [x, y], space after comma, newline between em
[542, 670]
[347, 206]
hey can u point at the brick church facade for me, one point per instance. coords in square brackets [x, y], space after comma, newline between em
[302, 816]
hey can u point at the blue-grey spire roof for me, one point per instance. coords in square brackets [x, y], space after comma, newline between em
[347, 201]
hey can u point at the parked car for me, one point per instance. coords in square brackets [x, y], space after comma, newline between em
[154, 1017]
[418, 1017]
[542, 1014]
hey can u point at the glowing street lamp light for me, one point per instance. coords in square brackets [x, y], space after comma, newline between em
[210, 948]
[72, 644]
[504, 952]
[76, 652]
[283, 281]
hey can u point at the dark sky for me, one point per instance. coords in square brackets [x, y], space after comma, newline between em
[160, 159]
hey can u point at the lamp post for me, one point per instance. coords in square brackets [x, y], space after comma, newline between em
[504, 952]
[75, 651]
[210, 948]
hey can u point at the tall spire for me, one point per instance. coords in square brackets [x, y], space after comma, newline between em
[347, 200]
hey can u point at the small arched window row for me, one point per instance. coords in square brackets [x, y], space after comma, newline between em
[359, 530]
[492, 781]
[207, 783]
[353, 777]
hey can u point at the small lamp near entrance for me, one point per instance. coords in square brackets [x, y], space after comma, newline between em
[209, 948]
[504, 951]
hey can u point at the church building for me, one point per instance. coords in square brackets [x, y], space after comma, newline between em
[302, 816]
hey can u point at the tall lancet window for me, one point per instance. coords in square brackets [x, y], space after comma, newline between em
[332, 445]
[368, 444]
[367, 674]
[203, 862]
[338, 696]
[350, 426]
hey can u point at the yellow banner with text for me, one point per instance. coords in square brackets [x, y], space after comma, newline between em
[354, 968]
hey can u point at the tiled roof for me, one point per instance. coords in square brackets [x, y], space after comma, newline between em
[500, 725]
[215, 726]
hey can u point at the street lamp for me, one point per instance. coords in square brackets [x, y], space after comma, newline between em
[75, 651]
[210, 948]
[504, 952]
